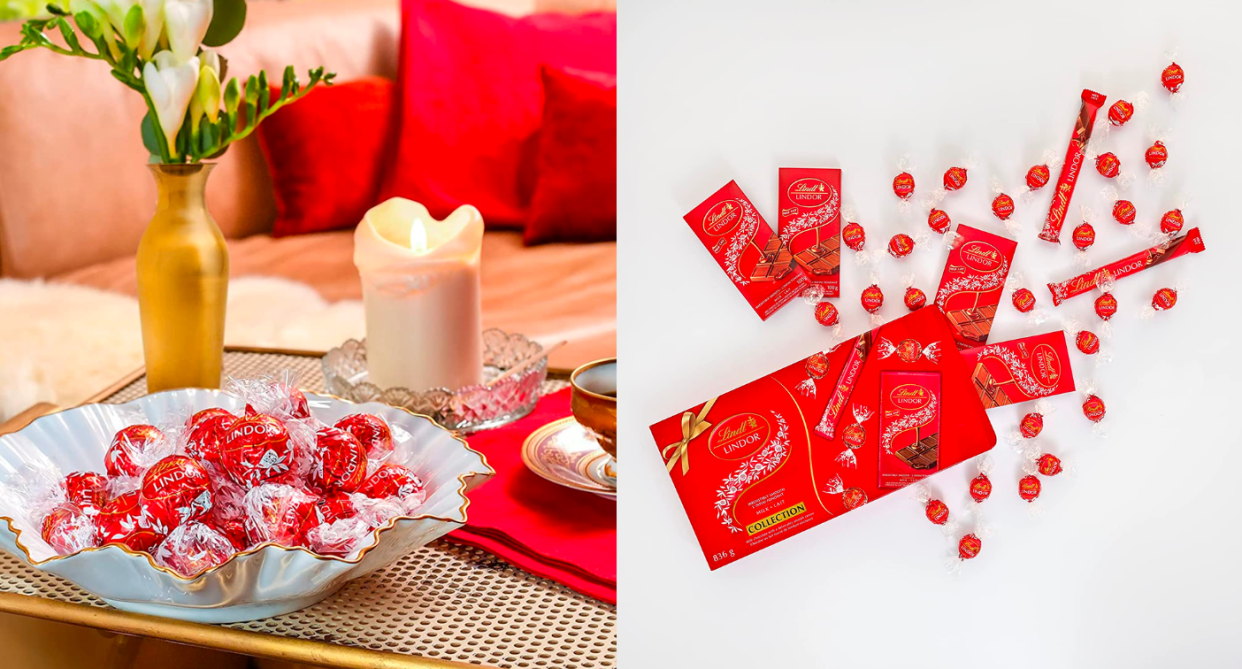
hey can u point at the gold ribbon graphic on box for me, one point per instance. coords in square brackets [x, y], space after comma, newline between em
[691, 427]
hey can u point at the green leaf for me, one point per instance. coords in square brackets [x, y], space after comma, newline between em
[135, 26]
[227, 19]
[56, 10]
[9, 51]
[149, 138]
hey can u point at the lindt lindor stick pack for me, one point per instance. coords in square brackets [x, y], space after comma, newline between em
[1020, 370]
[1072, 167]
[972, 283]
[1191, 242]
[810, 223]
[751, 255]
[751, 471]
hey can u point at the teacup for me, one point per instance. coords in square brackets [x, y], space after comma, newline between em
[594, 401]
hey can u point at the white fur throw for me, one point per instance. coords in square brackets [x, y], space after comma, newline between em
[62, 343]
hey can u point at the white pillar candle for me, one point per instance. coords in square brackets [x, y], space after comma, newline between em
[420, 285]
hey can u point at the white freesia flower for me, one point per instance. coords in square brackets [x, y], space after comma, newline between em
[170, 83]
[153, 12]
[185, 23]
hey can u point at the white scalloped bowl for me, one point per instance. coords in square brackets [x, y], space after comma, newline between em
[264, 581]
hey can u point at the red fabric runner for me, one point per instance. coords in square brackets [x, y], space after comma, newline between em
[565, 535]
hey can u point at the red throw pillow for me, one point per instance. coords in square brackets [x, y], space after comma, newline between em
[470, 97]
[575, 198]
[326, 155]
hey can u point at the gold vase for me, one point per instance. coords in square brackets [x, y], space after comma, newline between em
[183, 279]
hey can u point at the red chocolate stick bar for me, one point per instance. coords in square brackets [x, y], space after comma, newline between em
[1191, 242]
[1074, 155]
[845, 385]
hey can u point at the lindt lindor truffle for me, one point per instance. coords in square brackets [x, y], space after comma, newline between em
[938, 221]
[1030, 426]
[1024, 300]
[1172, 78]
[981, 485]
[826, 314]
[1036, 461]
[935, 509]
[816, 368]
[908, 350]
[972, 283]
[1087, 342]
[1072, 166]
[853, 235]
[1002, 203]
[914, 298]
[1093, 408]
[1191, 242]
[1163, 300]
[954, 179]
[903, 183]
[1020, 370]
[910, 407]
[854, 436]
[1038, 176]
[810, 223]
[751, 255]
[1122, 111]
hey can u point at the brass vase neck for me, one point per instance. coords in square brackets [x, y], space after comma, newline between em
[181, 186]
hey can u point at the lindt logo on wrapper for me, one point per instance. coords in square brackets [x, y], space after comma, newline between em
[738, 437]
[1046, 366]
[910, 397]
[810, 192]
[981, 257]
[722, 218]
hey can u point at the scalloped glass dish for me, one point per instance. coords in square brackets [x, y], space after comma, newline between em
[465, 410]
[263, 581]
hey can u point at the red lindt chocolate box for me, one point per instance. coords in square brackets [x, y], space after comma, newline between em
[810, 223]
[909, 427]
[750, 470]
[751, 255]
[1020, 370]
[972, 283]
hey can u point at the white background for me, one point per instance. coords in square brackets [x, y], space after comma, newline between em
[1135, 561]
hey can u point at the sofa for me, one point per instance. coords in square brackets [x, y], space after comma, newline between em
[75, 194]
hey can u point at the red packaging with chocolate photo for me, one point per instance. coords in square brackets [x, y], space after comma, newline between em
[751, 470]
[1020, 370]
[909, 427]
[751, 255]
[1072, 166]
[1191, 242]
[972, 283]
[810, 223]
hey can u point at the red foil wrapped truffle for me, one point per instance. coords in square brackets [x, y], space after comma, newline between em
[1172, 78]
[1156, 155]
[903, 185]
[176, 490]
[872, 298]
[1002, 206]
[1084, 236]
[854, 236]
[208, 434]
[125, 455]
[915, 299]
[1120, 112]
[1108, 165]
[338, 461]
[1164, 299]
[1031, 425]
[279, 513]
[371, 431]
[1037, 177]
[1093, 408]
[954, 178]
[1124, 212]
[980, 487]
[900, 245]
[939, 221]
[194, 548]
[1087, 342]
[1172, 221]
[1029, 488]
[937, 512]
[67, 529]
[391, 480]
[125, 520]
[826, 314]
[256, 450]
[1048, 464]
[88, 490]
[1105, 306]
[1023, 300]
[969, 546]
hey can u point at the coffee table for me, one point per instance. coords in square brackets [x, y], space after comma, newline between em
[441, 606]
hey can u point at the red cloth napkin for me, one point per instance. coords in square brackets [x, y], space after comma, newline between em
[565, 535]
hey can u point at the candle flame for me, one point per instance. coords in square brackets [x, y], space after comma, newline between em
[418, 236]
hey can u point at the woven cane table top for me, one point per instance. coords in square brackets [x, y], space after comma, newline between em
[443, 602]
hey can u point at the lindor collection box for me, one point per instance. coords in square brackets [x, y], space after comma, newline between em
[972, 283]
[750, 468]
[909, 427]
[1020, 370]
[810, 223]
[754, 258]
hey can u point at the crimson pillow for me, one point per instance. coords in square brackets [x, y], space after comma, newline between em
[326, 155]
[575, 198]
[469, 99]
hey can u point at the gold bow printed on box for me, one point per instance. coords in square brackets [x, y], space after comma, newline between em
[691, 427]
